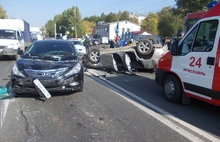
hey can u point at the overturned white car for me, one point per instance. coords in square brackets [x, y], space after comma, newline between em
[143, 55]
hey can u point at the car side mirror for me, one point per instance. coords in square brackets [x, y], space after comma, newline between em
[174, 47]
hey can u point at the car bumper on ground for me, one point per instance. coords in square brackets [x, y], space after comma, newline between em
[26, 85]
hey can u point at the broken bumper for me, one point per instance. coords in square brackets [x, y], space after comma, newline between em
[25, 85]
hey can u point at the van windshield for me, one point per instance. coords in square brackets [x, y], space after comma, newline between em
[7, 34]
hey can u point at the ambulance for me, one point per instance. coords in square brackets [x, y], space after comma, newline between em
[191, 68]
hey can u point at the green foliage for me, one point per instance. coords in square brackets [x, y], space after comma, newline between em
[50, 28]
[111, 17]
[124, 16]
[169, 24]
[2, 13]
[134, 20]
[150, 23]
[165, 23]
[189, 6]
[88, 26]
[70, 20]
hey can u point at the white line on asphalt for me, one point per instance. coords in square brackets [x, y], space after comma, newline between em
[161, 118]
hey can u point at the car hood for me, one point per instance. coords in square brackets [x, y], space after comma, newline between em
[40, 64]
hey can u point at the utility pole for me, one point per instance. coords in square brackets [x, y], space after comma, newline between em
[75, 28]
[55, 27]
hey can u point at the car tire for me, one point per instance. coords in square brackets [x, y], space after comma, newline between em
[172, 89]
[144, 47]
[152, 39]
[93, 55]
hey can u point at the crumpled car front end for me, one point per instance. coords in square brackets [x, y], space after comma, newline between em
[55, 77]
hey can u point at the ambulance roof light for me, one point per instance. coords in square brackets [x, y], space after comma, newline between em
[211, 4]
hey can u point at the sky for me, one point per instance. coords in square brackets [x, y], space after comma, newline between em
[38, 12]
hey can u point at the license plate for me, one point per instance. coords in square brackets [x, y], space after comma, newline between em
[39, 85]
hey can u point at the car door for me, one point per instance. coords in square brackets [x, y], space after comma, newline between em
[196, 63]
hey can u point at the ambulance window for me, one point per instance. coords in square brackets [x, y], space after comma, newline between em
[186, 44]
[205, 36]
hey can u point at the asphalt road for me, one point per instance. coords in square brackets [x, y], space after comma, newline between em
[113, 107]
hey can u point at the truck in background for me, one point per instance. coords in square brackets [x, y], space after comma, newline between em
[36, 33]
[191, 68]
[14, 34]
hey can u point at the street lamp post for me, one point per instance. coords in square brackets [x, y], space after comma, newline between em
[55, 27]
[74, 13]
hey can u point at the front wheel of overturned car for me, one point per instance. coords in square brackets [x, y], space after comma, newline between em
[144, 47]
[172, 89]
[93, 55]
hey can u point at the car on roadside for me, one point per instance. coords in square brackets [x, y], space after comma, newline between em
[54, 64]
[79, 46]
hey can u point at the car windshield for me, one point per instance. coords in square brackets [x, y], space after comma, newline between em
[77, 43]
[50, 50]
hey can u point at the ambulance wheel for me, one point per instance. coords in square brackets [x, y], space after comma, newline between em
[93, 55]
[172, 89]
[144, 47]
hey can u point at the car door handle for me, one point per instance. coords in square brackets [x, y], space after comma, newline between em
[211, 61]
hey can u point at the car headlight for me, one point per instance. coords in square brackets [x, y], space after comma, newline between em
[76, 69]
[16, 71]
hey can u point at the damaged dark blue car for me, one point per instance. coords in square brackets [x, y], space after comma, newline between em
[54, 63]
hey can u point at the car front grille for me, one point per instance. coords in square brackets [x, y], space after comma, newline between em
[45, 74]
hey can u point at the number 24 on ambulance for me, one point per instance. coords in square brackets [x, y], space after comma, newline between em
[191, 69]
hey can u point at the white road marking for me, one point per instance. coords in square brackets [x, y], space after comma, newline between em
[161, 118]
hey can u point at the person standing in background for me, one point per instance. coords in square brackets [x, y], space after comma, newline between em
[87, 44]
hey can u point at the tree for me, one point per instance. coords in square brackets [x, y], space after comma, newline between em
[103, 17]
[169, 24]
[111, 17]
[2, 13]
[50, 28]
[75, 20]
[189, 6]
[88, 26]
[93, 18]
[150, 23]
[124, 16]
[134, 20]
[66, 21]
